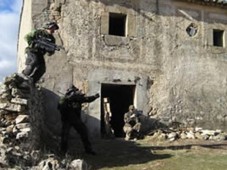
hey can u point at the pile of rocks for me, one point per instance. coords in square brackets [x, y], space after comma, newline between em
[16, 140]
[21, 128]
[188, 133]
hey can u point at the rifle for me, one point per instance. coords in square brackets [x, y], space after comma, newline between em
[46, 44]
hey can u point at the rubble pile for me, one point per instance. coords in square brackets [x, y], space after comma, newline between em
[188, 133]
[21, 128]
[19, 134]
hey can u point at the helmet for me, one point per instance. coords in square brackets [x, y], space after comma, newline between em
[74, 88]
[51, 25]
[71, 89]
[131, 107]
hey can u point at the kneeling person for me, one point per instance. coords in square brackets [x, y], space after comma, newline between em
[132, 124]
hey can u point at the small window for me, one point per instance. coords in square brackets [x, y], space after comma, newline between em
[117, 24]
[218, 38]
[192, 30]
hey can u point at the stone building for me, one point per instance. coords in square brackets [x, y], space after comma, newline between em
[167, 57]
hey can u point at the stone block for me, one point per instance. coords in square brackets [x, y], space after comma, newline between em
[78, 164]
[11, 107]
[22, 135]
[3, 105]
[22, 119]
[131, 26]
[105, 23]
[112, 40]
[25, 130]
[19, 101]
[23, 125]
[5, 97]
[19, 93]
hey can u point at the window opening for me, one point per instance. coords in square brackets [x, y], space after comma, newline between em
[117, 24]
[192, 29]
[218, 38]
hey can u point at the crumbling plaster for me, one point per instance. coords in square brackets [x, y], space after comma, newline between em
[188, 73]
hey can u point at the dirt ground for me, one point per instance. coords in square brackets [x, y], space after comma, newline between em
[147, 154]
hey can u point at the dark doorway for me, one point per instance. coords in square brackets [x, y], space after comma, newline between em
[218, 37]
[120, 97]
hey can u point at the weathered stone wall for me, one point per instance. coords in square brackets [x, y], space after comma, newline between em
[22, 133]
[178, 77]
[191, 87]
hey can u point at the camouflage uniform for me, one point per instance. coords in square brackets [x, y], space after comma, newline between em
[132, 123]
[35, 63]
[70, 109]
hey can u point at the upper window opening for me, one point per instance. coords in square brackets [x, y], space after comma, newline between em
[218, 38]
[192, 29]
[117, 24]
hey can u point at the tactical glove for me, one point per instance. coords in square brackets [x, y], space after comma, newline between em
[96, 95]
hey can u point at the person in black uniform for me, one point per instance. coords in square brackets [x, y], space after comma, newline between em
[70, 108]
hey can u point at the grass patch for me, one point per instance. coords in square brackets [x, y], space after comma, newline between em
[118, 154]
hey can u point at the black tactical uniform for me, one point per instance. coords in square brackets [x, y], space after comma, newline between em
[70, 109]
[35, 63]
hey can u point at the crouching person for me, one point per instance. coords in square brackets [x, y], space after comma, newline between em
[70, 108]
[132, 124]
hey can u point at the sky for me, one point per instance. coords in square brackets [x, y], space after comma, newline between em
[9, 26]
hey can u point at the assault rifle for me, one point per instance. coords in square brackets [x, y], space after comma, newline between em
[46, 44]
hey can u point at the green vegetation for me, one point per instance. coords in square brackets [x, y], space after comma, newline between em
[118, 154]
